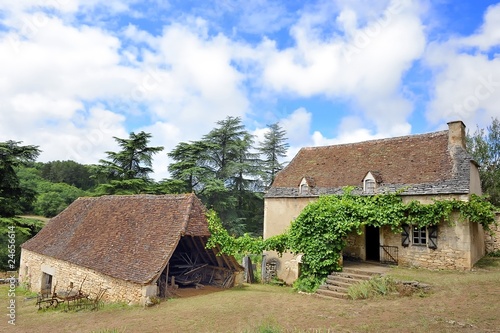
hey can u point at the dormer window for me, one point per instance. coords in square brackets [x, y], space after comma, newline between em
[372, 178]
[305, 186]
[369, 186]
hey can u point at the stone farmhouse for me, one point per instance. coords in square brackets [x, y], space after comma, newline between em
[130, 245]
[429, 167]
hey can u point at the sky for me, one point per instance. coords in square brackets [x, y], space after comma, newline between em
[74, 73]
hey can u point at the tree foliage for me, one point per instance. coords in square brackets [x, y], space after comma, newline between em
[134, 160]
[128, 170]
[13, 155]
[69, 172]
[273, 148]
[51, 198]
[484, 146]
[224, 170]
[15, 231]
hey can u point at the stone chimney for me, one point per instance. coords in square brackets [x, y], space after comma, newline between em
[456, 133]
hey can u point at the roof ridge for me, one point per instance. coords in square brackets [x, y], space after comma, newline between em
[375, 141]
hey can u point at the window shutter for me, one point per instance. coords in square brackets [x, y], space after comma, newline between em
[433, 236]
[405, 235]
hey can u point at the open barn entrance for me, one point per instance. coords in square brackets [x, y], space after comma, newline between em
[193, 266]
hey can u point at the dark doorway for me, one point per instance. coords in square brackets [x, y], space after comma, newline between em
[46, 284]
[372, 235]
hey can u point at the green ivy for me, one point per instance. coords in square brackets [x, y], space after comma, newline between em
[321, 229]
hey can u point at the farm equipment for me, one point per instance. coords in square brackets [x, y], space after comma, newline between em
[70, 298]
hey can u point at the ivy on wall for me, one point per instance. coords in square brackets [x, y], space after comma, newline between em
[321, 229]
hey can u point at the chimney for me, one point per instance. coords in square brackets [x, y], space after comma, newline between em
[456, 133]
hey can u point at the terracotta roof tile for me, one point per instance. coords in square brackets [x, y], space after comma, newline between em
[407, 160]
[126, 237]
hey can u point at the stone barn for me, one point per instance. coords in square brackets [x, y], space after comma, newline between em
[428, 167]
[135, 246]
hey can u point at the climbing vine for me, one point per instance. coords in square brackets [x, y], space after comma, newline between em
[321, 229]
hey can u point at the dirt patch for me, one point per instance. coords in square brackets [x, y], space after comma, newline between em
[184, 292]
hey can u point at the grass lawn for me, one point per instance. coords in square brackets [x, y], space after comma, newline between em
[459, 302]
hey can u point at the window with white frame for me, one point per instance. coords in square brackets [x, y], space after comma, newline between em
[369, 186]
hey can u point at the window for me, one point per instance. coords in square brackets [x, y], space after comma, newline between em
[419, 236]
[412, 235]
[304, 189]
[369, 186]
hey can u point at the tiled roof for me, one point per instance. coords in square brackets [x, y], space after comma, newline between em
[421, 163]
[126, 237]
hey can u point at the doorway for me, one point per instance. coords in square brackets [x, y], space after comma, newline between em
[46, 284]
[372, 243]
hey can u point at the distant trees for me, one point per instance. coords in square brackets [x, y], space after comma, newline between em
[13, 155]
[484, 146]
[69, 172]
[226, 171]
[226, 168]
[51, 198]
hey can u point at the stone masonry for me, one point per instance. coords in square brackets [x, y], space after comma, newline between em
[492, 241]
[33, 266]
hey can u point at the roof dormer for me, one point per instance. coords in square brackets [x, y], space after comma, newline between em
[305, 185]
[371, 181]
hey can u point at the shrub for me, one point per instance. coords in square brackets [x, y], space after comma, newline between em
[377, 286]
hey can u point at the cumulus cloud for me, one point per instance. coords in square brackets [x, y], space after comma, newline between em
[361, 65]
[70, 84]
[467, 75]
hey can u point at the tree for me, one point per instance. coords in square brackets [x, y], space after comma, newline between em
[134, 160]
[484, 146]
[127, 171]
[233, 166]
[189, 166]
[224, 146]
[12, 155]
[223, 172]
[273, 148]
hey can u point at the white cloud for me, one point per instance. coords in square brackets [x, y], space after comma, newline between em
[166, 135]
[363, 66]
[489, 34]
[467, 78]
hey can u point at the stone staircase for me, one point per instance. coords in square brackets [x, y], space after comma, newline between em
[337, 283]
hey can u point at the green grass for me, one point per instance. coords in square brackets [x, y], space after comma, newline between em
[465, 297]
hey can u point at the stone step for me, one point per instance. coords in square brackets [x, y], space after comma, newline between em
[331, 294]
[349, 276]
[334, 288]
[336, 282]
[358, 271]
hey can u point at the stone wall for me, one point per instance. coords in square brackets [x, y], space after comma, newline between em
[453, 248]
[492, 241]
[33, 265]
[446, 256]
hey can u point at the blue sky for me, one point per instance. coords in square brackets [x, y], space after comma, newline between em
[75, 73]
